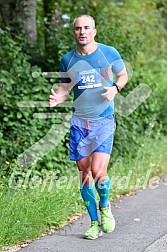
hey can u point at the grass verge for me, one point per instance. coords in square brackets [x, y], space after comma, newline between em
[144, 170]
[28, 212]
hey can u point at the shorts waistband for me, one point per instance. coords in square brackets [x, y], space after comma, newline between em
[89, 124]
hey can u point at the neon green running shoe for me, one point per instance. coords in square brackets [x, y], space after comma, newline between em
[107, 219]
[94, 231]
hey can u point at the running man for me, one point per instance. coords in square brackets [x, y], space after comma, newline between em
[89, 71]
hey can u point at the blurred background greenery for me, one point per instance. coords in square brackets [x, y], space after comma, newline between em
[34, 35]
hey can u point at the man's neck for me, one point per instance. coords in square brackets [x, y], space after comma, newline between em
[86, 49]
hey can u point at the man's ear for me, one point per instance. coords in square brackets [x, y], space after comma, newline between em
[95, 32]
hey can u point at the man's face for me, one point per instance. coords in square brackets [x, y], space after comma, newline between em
[84, 32]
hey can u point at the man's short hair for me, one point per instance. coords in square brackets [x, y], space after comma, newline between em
[85, 15]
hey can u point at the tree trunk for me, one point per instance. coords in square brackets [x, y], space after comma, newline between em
[29, 16]
[20, 15]
[53, 22]
[5, 12]
[52, 27]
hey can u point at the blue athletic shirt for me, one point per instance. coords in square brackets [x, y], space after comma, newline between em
[88, 75]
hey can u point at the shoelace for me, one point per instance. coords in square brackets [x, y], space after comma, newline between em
[93, 227]
[105, 213]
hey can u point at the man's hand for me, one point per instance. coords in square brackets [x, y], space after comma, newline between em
[55, 99]
[110, 93]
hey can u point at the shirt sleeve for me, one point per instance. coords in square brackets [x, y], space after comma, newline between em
[64, 75]
[117, 64]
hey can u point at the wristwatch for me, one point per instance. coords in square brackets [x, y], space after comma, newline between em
[117, 86]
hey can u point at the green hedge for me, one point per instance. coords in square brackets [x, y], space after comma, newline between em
[131, 29]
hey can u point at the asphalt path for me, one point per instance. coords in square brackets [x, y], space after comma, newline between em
[141, 226]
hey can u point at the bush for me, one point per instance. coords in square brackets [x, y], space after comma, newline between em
[19, 130]
[130, 27]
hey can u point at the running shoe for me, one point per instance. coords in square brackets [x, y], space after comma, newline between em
[107, 219]
[94, 231]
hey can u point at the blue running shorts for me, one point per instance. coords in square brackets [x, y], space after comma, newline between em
[87, 137]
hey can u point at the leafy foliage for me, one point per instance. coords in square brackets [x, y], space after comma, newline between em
[19, 130]
[135, 28]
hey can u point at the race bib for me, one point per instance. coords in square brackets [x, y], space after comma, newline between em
[89, 79]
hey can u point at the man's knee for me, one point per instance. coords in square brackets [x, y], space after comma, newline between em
[99, 176]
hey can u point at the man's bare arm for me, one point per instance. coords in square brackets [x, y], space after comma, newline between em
[122, 78]
[60, 95]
